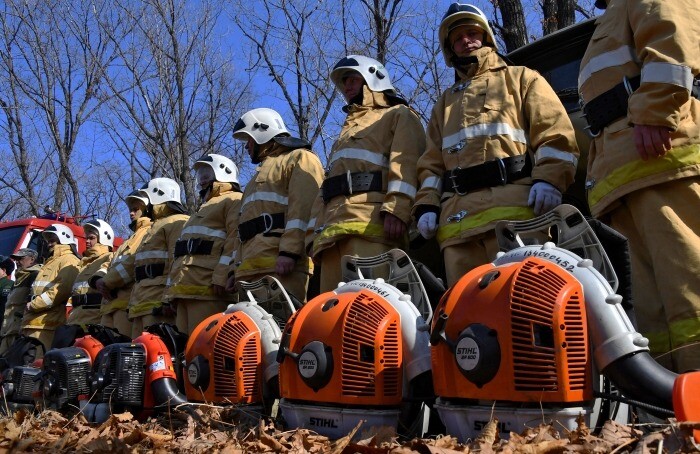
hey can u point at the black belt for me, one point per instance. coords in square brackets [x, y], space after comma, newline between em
[357, 182]
[149, 271]
[261, 224]
[492, 173]
[609, 106]
[87, 301]
[193, 246]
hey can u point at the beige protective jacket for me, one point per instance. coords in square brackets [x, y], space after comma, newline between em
[115, 275]
[494, 111]
[51, 289]
[94, 258]
[376, 137]
[155, 255]
[287, 182]
[18, 299]
[192, 276]
[657, 39]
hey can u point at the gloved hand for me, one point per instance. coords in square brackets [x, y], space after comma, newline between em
[427, 225]
[543, 197]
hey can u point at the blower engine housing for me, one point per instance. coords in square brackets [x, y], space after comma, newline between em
[350, 355]
[18, 387]
[64, 377]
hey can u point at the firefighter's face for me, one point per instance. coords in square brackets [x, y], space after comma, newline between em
[205, 176]
[352, 85]
[250, 147]
[91, 239]
[136, 209]
[51, 240]
[466, 39]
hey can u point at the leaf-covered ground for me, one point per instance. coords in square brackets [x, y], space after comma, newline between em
[215, 430]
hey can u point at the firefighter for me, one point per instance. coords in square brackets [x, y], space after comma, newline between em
[26, 272]
[7, 267]
[636, 81]
[46, 309]
[114, 276]
[365, 201]
[500, 146]
[198, 277]
[150, 265]
[83, 308]
[276, 205]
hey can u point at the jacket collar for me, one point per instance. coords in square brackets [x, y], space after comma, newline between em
[486, 60]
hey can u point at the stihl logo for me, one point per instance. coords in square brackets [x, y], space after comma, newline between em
[307, 363]
[322, 422]
[467, 352]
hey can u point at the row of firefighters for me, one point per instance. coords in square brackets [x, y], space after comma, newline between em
[499, 145]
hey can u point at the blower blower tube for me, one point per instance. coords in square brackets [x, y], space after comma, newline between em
[166, 393]
[640, 377]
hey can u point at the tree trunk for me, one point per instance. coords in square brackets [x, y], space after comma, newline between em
[550, 18]
[513, 29]
[566, 13]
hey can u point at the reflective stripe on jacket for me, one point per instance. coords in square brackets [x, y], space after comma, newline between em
[115, 275]
[287, 181]
[51, 289]
[376, 137]
[94, 258]
[495, 111]
[192, 276]
[660, 44]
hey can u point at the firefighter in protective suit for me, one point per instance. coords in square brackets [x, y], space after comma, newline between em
[113, 275]
[636, 82]
[499, 146]
[364, 206]
[18, 297]
[276, 204]
[83, 307]
[150, 265]
[46, 309]
[197, 280]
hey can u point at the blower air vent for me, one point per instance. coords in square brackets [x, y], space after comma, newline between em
[536, 291]
[124, 375]
[362, 326]
[245, 367]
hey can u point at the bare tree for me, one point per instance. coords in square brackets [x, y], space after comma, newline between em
[53, 62]
[174, 95]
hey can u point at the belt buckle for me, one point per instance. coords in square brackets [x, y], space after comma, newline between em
[349, 178]
[148, 271]
[457, 216]
[502, 171]
[627, 85]
[266, 227]
[190, 246]
[455, 184]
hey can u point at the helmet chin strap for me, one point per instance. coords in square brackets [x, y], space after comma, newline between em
[464, 62]
[204, 191]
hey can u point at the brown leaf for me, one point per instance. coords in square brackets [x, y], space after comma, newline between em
[340, 444]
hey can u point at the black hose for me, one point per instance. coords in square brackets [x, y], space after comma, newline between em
[641, 378]
[166, 393]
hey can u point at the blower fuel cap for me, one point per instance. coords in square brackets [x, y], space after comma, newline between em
[315, 365]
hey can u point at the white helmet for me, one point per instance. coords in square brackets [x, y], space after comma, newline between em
[64, 234]
[374, 73]
[137, 195]
[459, 14]
[161, 190]
[105, 234]
[225, 171]
[261, 124]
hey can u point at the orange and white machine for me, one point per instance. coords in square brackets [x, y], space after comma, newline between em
[525, 338]
[360, 352]
[231, 357]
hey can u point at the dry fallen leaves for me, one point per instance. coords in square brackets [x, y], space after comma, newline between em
[222, 431]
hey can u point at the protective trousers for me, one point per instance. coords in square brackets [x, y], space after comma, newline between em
[118, 320]
[139, 323]
[191, 312]
[331, 274]
[662, 225]
[81, 316]
[295, 283]
[464, 257]
[45, 336]
[11, 327]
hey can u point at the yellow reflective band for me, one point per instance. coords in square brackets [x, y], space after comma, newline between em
[451, 230]
[259, 263]
[203, 290]
[144, 307]
[114, 305]
[675, 159]
[352, 228]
